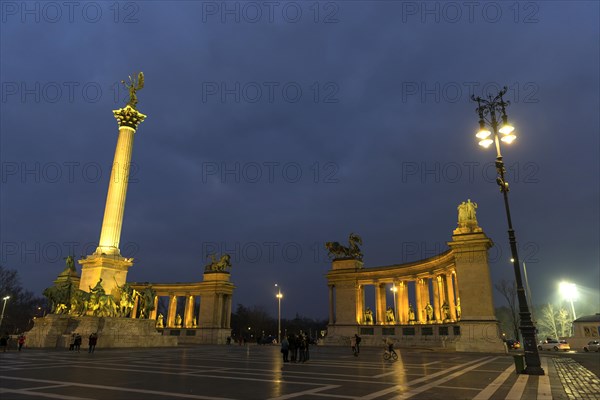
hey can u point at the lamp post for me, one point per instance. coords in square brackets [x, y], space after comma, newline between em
[5, 298]
[279, 297]
[569, 292]
[487, 109]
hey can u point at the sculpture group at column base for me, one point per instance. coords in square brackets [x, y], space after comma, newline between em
[54, 331]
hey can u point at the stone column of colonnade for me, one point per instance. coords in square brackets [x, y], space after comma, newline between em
[450, 295]
[425, 296]
[219, 311]
[154, 313]
[172, 311]
[188, 314]
[380, 302]
[331, 305]
[437, 296]
[403, 302]
[227, 313]
[419, 305]
[360, 304]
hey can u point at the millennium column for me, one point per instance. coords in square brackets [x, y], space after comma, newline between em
[107, 263]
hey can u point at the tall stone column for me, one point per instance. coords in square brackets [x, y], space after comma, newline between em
[189, 311]
[172, 311]
[396, 302]
[154, 313]
[425, 297]
[380, 303]
[107, 263]
[219, 311]
[403, 296]
[331, 315]
[360, 304]
[227, 312]
[451, 298]
[419, 300]
[436, 299]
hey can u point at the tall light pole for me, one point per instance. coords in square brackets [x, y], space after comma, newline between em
[487, 109]
[569, 292]
[5, 298]
[279, 297]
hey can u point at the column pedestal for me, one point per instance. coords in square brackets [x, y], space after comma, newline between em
[112, 270]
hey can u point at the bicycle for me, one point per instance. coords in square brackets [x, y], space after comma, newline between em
[390, 354]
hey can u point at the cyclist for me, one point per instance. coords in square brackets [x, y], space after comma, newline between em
[390, 345]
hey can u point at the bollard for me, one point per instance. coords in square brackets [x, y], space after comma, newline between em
[519, 363]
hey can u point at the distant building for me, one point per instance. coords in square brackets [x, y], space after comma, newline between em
[585, 329]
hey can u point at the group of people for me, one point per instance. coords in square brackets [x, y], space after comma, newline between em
[5, 340]
[75, 343]
[295, 348]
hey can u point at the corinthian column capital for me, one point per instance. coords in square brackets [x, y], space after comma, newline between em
[129, 117]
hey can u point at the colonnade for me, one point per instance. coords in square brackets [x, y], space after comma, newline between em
[214, 311]
[439, 289]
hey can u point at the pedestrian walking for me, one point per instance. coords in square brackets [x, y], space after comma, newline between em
[353, 346]
[358, 339]
[77, 344]
[285, 349]
[72, 342]
[21, 341]
[293, 348]
[4, 342]
[92, 340]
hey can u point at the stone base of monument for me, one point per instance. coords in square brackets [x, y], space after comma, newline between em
[198, 335]
[463, 336]
[480, 336]
[55, 331]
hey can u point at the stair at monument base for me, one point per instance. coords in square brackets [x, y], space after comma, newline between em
[54, 331]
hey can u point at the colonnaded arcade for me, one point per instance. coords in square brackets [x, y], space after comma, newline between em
[441, 301]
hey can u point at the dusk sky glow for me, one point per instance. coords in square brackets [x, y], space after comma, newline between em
[274, 127]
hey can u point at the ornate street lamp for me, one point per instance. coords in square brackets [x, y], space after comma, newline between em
[279, 297]
[5, 298]
[488, 110]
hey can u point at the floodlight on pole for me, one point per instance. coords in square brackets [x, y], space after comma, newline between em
[569, 292]
[5, 298]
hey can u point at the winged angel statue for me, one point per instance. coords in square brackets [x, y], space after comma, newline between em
[133, 86]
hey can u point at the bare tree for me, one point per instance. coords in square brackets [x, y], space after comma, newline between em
[508, 290]
[554, 322]
[547, 322]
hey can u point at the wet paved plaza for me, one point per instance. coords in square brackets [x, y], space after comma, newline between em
[257, 372]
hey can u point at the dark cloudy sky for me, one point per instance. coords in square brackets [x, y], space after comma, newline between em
[276, 126]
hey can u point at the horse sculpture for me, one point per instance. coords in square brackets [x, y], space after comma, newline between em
[338, 251]
[222, 265]
[126, 300]
[60, 297]
[79, 302]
